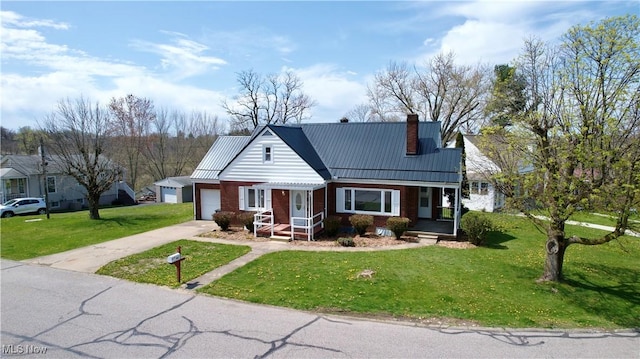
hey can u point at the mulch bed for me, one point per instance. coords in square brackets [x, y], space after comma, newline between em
[368, 240]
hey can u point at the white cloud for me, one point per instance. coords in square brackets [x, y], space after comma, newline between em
[14, 19]
[335, 91]
[58, 72]
[183, 56]
[493, 32]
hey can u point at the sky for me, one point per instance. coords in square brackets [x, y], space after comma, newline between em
[185, 56]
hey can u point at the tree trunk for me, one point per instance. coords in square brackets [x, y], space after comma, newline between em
[555, 247]
[94, 205]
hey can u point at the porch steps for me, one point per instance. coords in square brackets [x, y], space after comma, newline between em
[280, 238]
[421, 236]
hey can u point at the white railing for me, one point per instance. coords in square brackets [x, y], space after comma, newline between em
[309, 226]
[122, 185]
[259, 221]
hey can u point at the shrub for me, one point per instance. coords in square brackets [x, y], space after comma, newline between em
[346, 242]
[476, 226]
[361, 222]
[332, 225]
[246, 218]
[397, 225]
[223, 219]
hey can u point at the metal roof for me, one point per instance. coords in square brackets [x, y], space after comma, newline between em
[223, 150]
[378, 151]
[359, 151]
[179, 182]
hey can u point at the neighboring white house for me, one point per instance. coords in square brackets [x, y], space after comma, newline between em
[483, 196]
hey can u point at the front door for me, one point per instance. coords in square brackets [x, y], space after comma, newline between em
[299, 206]
[424, 203]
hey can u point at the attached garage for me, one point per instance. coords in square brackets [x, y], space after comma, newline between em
[209, 203]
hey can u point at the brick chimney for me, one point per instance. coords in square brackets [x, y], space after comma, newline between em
[412, 134]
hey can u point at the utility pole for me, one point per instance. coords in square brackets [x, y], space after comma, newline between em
[44, 176]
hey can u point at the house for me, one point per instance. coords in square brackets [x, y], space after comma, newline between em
[293, 177]
[174, 190]
[483, 195]
[21, 176]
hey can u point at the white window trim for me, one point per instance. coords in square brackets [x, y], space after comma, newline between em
[243, 198]
[395, 201]
[55, 184]
[264, 154]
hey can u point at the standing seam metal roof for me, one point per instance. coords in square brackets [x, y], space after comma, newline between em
[223, 150]
[352, 151]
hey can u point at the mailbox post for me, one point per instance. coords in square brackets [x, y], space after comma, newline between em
[176, 259]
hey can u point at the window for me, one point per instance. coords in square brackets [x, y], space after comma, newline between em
[51, 184]
[252, 199]
[481, 188]
[267, 154]
[21, 185]
[55, 204]
[368, 201]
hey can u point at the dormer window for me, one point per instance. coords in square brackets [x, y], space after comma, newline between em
[267, 154]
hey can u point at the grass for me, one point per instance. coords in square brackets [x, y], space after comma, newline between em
[493, 285]
[151, 266]
[22, 238]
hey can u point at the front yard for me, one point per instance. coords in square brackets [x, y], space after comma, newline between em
[492, 285]
[33, 236]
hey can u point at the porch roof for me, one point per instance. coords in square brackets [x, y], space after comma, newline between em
[290, 186]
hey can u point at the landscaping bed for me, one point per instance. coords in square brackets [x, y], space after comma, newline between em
[368, 240]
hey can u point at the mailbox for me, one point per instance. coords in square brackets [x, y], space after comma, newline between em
[174, 258]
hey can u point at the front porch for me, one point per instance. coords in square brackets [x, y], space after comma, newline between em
[293, 210]
[286, 231]
[435, 228]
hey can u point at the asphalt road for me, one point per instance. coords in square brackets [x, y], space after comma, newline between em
[68, 314]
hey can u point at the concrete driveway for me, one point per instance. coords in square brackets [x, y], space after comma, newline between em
[89, 259]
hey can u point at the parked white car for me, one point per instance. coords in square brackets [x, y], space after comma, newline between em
[23, 206]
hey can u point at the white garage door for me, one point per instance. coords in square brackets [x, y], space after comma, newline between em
[209, 203]
[169, 195]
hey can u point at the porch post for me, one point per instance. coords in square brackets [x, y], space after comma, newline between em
[456, 212]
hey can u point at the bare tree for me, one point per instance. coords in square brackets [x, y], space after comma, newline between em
[276, 98]
[8, 141]
[441, 91]
[78, 134]
[177, 142]
[360, 113]
[131, 117]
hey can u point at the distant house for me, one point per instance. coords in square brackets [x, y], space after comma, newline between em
[483, 196]
[21, 176]
[293, 177]
[174, 190]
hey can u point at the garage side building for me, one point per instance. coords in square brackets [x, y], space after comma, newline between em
[174, 190]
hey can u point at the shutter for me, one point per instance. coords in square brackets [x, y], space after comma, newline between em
[395, 203]
[339, 200]
[241, 197]
[267, 199]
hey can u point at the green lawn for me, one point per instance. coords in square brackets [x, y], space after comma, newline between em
[493, 285]
[151, 266]
[21, 238]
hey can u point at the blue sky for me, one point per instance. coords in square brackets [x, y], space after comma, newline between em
[185, 55]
